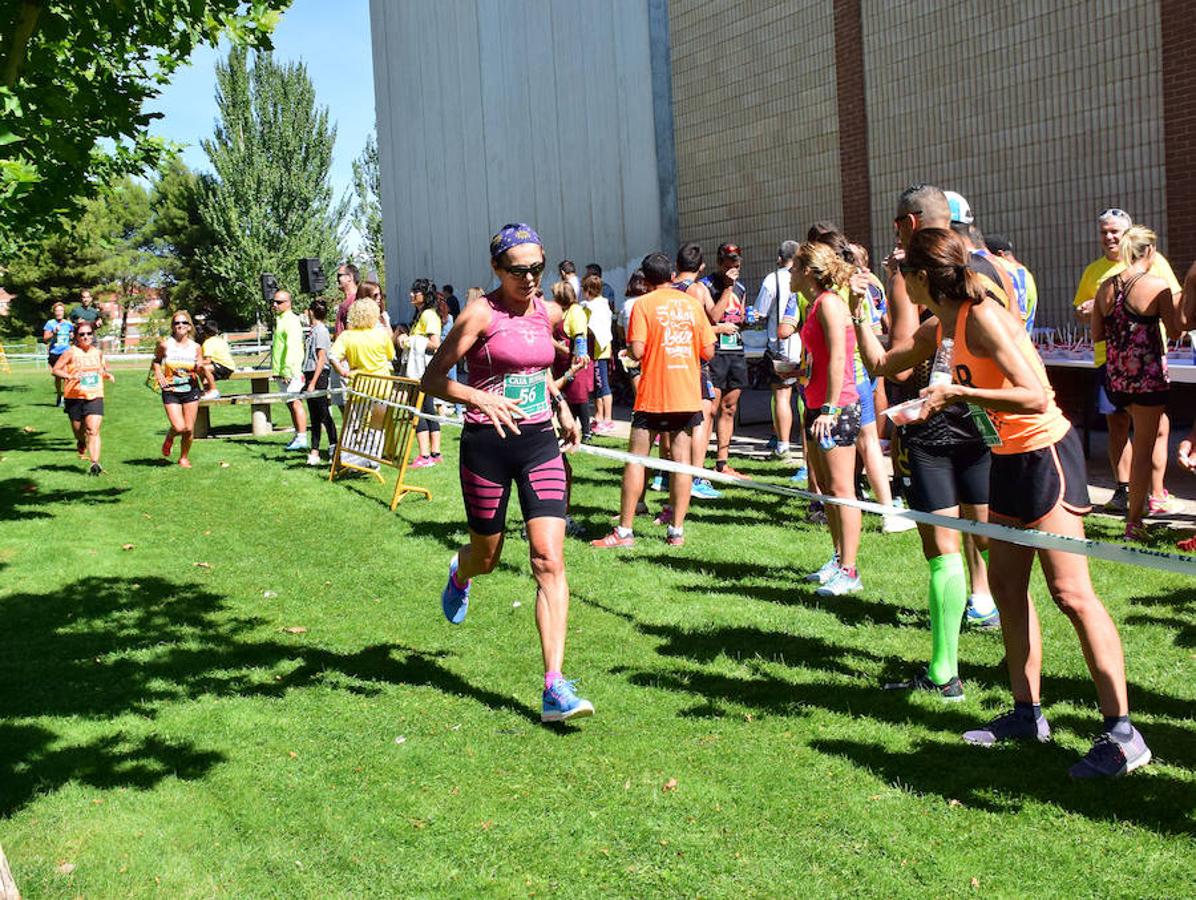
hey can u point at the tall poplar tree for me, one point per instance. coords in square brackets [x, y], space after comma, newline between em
[367, 207]
[271, 201]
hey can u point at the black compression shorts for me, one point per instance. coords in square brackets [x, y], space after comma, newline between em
[1026, 487]
[489, 465]
[943, 477]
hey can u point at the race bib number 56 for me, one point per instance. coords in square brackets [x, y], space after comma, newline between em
[529, 390]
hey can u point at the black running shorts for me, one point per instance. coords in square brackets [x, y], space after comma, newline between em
[944, 477]
[77, 408]
[729, 371]
[666, 422]
[1026, 487]
[846, 428]
[489, 464]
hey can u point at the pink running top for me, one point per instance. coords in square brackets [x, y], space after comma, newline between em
[514, 357]
[814, 342]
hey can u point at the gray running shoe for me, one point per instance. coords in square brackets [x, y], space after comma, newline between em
[1109, 758]
[1120, 501]
[951, 692]
[1010, 726]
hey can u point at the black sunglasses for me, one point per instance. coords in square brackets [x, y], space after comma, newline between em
[182, 322]
[535, 270]
[277, 302]
[84, 333]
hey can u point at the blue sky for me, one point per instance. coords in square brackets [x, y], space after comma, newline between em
[332, 37]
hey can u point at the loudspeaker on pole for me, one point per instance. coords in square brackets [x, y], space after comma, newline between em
[269, 286]
[311, 276]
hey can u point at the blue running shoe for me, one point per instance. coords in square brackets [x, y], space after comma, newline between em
[1010, 726]
[658, 483]
[561, 703]
[801, 476]
[454, 600]
[704, 490]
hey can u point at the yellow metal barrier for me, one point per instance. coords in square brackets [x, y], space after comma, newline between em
[377, 434]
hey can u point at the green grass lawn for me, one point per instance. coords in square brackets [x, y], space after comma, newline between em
[167, 730]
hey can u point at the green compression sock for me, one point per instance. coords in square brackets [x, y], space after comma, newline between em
[948, 598]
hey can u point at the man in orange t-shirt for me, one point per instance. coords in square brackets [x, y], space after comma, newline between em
[671, 335]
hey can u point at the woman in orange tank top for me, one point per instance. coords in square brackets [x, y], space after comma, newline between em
[1038, 479]
[83, 371]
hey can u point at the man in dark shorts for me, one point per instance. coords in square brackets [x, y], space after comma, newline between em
[727, 311]
[670, 334]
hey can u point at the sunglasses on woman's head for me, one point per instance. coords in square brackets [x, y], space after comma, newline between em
[535, 270]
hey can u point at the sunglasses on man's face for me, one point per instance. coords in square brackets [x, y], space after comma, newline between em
[535, 270]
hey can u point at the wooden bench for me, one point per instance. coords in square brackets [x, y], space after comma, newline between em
[259, 383]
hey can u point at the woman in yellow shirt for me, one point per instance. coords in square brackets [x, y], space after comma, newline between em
[426, 325]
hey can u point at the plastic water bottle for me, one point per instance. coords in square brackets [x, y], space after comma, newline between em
[751, 315]
[579, 345]
[940, 372]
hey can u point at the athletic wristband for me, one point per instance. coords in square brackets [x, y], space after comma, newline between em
[828, 410]
[556, 401]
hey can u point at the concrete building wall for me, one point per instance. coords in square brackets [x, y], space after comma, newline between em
[756, 124]
[1041, 115]
[495, 111]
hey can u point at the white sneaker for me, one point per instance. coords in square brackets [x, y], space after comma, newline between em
[897, 524]
[213, 394]
[841, 583]
[826, 573]
[313, 458]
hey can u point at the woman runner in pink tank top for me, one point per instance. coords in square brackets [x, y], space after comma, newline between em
[508, 440]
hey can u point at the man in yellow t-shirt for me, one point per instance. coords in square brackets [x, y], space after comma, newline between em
[1112, 224]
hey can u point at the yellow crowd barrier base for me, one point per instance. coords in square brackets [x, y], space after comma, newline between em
[377, 432]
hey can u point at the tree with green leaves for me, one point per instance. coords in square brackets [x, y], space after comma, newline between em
[181, 236]
[271, 201]
[367, 207]
[109, 247]
[75, 76]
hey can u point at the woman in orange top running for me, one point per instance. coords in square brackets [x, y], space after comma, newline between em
[83, 369]
[1038, 479]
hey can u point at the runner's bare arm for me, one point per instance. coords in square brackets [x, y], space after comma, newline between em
[903, 311]
[1096, 312]
[902, 354]
[62, 366]
[990, 332]
[1187, 319]
[469, 327]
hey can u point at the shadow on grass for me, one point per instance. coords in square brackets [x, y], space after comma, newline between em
[151, 462]
[33, 762]
[1002, 780]
[97, 650]
[18, 439]
[21, 498]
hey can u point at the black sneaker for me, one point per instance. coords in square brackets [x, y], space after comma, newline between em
[1120, 501]
[951, 692]
[96, 469]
